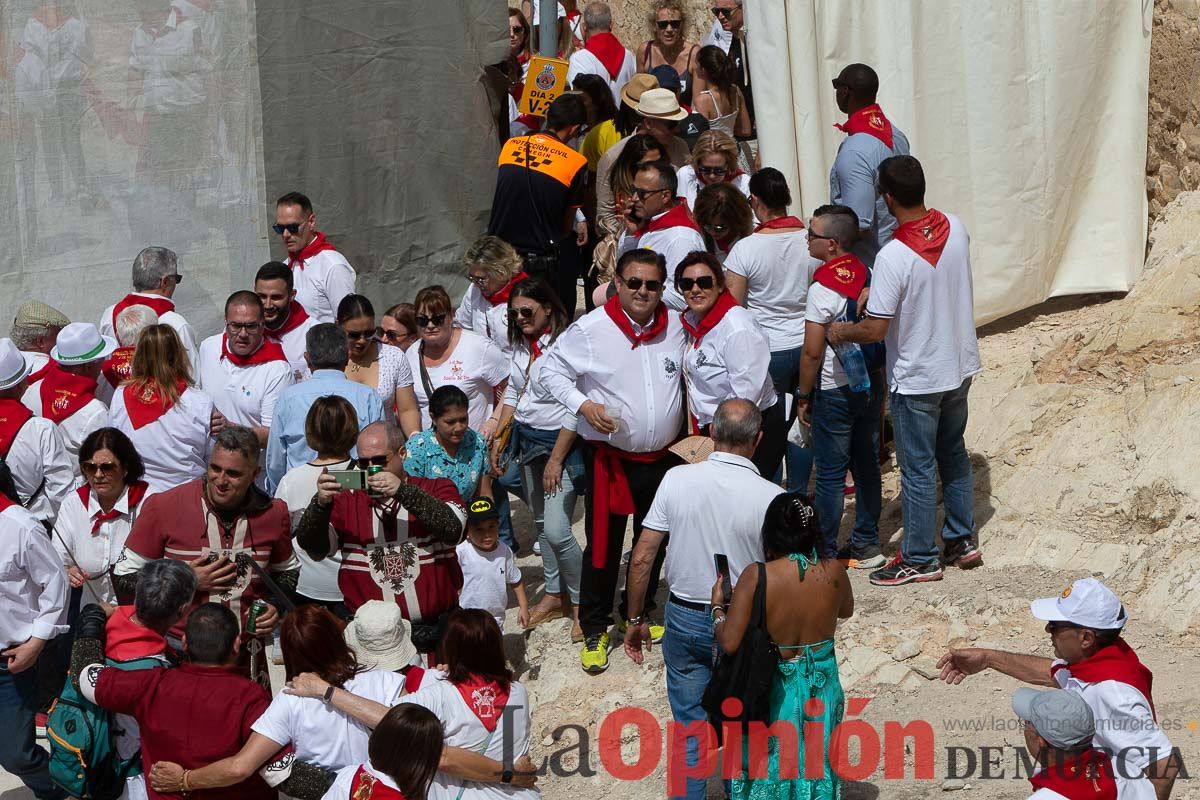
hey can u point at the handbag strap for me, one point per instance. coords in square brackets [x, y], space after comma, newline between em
[425, 380]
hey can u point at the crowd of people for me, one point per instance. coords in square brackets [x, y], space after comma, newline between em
[342, 479]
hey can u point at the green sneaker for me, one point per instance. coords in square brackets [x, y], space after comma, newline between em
[594, 657]
[656, 631]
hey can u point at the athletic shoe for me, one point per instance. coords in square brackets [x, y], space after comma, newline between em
[899, 572]
[594, 657]
[39, 725]
[872, 558]
[537, 547]
[962, 554]
[656, 631]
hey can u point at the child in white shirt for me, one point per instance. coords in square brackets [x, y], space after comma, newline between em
[488, 565]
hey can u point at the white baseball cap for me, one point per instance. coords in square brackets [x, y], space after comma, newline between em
[81, 343]
[13, 367]
[1086, 602]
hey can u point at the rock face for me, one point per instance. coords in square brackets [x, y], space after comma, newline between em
[1173, 147]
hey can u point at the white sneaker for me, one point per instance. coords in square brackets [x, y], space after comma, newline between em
[537, 547]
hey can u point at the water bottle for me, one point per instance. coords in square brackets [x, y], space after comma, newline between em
[850, 355]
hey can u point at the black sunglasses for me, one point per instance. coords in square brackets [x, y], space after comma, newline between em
[517, 29]
[716, 230]
[436, 320]
[705, 282]
[1055, 627]
[524, 312]
[634, 284]
[373, 461]
[642, 194]
[712, 170]
[663, 24]
[723, 12]
[812, 235]
[356, 335]
[292, 227]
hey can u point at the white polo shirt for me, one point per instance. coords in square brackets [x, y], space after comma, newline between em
[40, 465]
[475, 365]
[716, 506]
[175, 447]
[673, 244]
[187, 336]
[778, 271]
[931, 344]
[534, 405]
[294, 345]
[1125, 727]
[245, 395]
[476, 314]
[731, 361]
[325, 279]
[594, 360]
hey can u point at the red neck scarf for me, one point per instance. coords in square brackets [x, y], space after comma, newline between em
[119, 366]
[13, 415]
[725, 302]
[34, 377]
[535, 344]
[611, 493]
[846, 275]
[64, 393]
[148, 404]
[134, 494]
[5, 502]
[677, 217]
[609, 50]
[779, 222]
[925, 236]
[296, 317]
[612, 307]
[1088, 776]
[869, 120]
[317, 245]
[486, 699]
[502, 295]
[125, 640]
[161, 305]
[1117, 662]
[270, 350]
[366, 786]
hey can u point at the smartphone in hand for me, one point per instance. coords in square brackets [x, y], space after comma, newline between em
[721, 562]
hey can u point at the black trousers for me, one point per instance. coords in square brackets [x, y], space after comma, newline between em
[770, 450]
[598, 586]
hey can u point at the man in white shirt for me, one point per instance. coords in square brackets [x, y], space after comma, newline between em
[602, 53]
[921, 304]
[242, 370]
[69, 392]
[844, 416]
[659, 220]
[34, 331]
[155, 279]
[1094, 662]
[321, 275]
[33, 602]
[285, 319]
[693, 506]
[618, 369]
[31, 446]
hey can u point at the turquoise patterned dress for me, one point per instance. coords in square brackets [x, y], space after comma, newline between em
[805, 672]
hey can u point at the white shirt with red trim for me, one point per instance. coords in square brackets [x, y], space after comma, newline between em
[294, 345]
[80, 425]
[584, 62]
[673, 244]
[476, 314]
[245, 395]
[343, 784]
[690, 185]
[93, 553]
[325, 279]
[41, 468]
[173, 318]
[175, 447]
[32, 398]
[731, 361]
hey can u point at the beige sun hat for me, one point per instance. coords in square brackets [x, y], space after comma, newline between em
[635, 87]
[660, 104]
[380, 637]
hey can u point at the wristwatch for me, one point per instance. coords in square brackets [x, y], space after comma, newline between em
[506, 776]
[329, 693]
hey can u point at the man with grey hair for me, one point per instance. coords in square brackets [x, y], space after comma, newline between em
[602, 53]
[34, 330]
[327, 355]
[130, 323]
[844, 409]
[693, 505]
[222, 526]
[155, 278]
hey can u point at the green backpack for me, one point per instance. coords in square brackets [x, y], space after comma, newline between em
[83, 758]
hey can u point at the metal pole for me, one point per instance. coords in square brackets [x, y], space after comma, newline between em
[548, 21]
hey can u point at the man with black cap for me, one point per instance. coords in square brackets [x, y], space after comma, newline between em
[1058, 728]
[1094, 662]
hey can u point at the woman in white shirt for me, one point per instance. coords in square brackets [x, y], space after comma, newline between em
[376, 365]
[724, 216]
[728, 356]
[493, 268]
[452, 355]
[714, 161]
[331, 429]
[405, 750]
[544, 445]
[168, 420]
[95, 519]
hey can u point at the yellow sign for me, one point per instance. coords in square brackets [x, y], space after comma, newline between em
[545, 81]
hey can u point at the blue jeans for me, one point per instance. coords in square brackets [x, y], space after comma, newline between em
[562, 558]
[929, 444]
[510, 481]
[688, 654]
[19, 754]
[845, 435]
[784, 370]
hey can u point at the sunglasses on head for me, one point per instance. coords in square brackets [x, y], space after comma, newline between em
[635, 284]
[436, 320]
[373, 461]
[663, 24]
[100, 468]
[292, 227]
[524, 312]
[705, 282]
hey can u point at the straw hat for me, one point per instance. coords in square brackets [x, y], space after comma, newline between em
[81, 343]
[693, 449]
[13, 368]
[380, 637]
[632, 91]
[660, 104]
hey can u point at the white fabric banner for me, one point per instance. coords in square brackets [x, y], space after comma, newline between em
[1028, 117]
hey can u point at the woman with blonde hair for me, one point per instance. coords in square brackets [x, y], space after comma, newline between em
[724, 217]
[169, 421]
[668, 45]
[493, 268]
[714, 160]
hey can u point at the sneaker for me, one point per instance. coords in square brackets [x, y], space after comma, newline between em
[872, 558]
[656, 631]
[594, 657]
[39, 726]
[537, 548]
[962, 554]
[899, 572]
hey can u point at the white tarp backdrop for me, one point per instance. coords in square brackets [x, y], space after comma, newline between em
[1028, 117]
